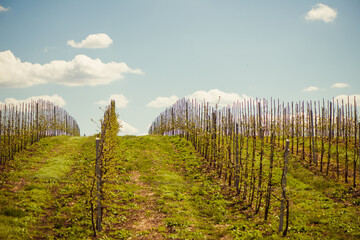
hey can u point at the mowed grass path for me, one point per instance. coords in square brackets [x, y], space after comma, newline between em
[159, 188]
[34, 188]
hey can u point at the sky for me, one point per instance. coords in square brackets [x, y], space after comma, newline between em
[147, 54]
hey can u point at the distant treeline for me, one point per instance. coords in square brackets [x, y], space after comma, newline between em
[26, 123]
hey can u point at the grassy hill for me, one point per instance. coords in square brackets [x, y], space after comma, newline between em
[159, 188]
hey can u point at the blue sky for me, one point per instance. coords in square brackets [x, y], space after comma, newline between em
[148, 54]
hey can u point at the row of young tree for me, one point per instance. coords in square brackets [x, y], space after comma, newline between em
[323, 134]
[239, 140]
[106, 143]
[23, 124]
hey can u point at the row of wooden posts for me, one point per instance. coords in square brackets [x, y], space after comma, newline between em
[236, 139]
[23, 124]
[323, 134]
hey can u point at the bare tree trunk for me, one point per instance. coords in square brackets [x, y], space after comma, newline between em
[261, 134]
[337, 142]
[98, 187]
[346, 143]
[330, 133]
[312, 137]
[237, 174]
[303, 131]
[284, 201]
[322, 136]
[355, 126]
[269, 187]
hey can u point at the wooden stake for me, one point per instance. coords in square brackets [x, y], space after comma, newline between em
[284, 201]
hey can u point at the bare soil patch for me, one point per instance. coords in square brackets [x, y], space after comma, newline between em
[145, 219]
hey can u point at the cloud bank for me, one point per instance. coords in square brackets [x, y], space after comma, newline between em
[120, 101]
[340, 85]
[127, 129]
[80, 71]
[321, 12]
[344, 98]
[311, 89]
[160, 102]
[99, 40]
[2, 9]
[212, 96]
[55, 99]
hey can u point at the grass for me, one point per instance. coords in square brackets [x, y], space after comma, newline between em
[31, 186]
[159, 188]
[179, 199]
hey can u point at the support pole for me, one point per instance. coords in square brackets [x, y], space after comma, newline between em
[98, 187]
[284, 200]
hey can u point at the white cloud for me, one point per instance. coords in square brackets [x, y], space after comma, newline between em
[127, 129]
[321, 12]
[351, 99]
[142, 134]
[340, 85]
[2, 9]
[80, 71]
[55, 99]
[311, 89]
[120, 101]
[99, 40]
[47, 49]
[212, 96]
[160, 102]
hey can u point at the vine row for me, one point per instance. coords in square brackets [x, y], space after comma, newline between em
[245, 142]
[26, 123]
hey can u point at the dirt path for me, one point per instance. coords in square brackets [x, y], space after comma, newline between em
[146, 218]
[163, 198]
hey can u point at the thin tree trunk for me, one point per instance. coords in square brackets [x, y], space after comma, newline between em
[284, 200]
[269, 187]
[355, 126]
[261, 134]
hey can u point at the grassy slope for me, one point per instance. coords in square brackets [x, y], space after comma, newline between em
[159, 189]
[34, 188]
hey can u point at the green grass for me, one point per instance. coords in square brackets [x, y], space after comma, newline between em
[30, 188]
[159, 188]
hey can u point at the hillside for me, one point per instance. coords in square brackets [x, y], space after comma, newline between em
[160, 188]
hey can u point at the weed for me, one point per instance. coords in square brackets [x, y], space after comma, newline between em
[13, 212]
